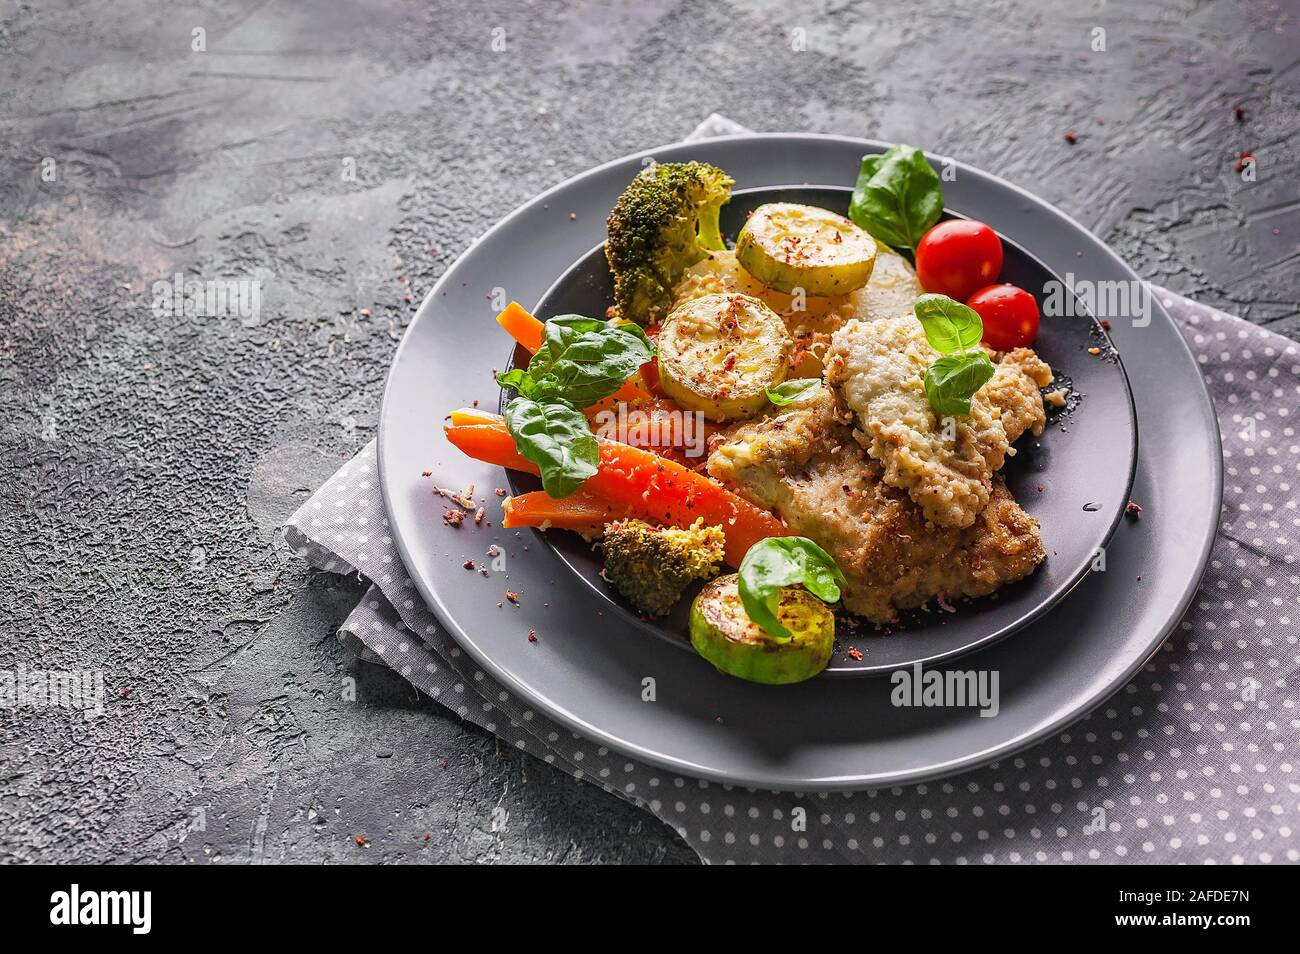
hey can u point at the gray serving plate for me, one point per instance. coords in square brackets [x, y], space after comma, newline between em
[589, 667]
[1075, 479]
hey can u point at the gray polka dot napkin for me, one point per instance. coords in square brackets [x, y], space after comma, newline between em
[1187, 777]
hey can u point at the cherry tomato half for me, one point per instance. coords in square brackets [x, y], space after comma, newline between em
[957, 257]
[1010, 316]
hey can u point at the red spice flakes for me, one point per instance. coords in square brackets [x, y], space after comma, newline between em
[1105, 324]
[499, 492]
[443, 762]
[855, 654]
[1245, 157]
[1133, 510]
[361, 841]
[1071, 137]
[426, 473]
[1239, 112]
[512, 596]
[453, 518]
[407, 298]
[468, 564]
[428, 835]
[479, 513]
[532, 635]
[126, 692]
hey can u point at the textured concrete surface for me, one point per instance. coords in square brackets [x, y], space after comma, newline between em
[146, 460]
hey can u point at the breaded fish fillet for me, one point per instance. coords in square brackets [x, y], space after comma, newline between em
[803, 464]
[879, 367]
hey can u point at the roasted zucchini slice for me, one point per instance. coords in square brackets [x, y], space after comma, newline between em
[723, 634]
[792, 246]
[719, 353]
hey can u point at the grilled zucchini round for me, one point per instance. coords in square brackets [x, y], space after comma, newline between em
[790, 246]
[719, 353]
[724, 634]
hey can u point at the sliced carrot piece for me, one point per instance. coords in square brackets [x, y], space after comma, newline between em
[492, 444]
[522, 326]
[581, 511]
[672, 494]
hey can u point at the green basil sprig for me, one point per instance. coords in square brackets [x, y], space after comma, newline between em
[556, 437]
[790, 392]
[897, 197]
[954, 330]
[777, 562]
[581, 361]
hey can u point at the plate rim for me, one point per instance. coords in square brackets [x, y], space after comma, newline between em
[877, 670]
[556, 710]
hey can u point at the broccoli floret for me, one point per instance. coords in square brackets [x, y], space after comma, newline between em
[662, 224]
[651, 566]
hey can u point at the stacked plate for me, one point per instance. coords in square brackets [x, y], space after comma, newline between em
[1058, 643]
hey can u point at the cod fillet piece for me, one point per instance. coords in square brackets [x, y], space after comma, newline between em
[804, 464]
[879, 366]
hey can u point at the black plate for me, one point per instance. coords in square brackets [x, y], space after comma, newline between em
[1075, 478]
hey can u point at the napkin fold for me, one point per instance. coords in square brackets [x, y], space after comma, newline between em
[1199, 779]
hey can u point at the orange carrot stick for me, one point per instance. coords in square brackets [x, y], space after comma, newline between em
[522, 326]
[492, 444]
[672, 494]
[581, 511]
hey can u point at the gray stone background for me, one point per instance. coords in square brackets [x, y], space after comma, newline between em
[146, 461]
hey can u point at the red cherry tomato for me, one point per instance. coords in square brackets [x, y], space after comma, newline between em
[1010, 316]
[957, 257]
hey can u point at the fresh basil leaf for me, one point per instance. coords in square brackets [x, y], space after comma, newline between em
[898, 196]
[777, 562]
[952, 380]
[556, 437]
[583, 360]
[949, 325]
[789, 392]
[516, 378]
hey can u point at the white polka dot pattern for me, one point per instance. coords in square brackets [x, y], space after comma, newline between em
[1193, 761]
